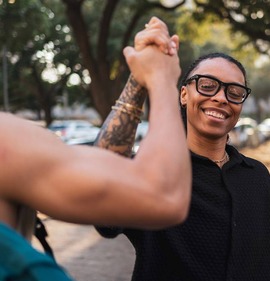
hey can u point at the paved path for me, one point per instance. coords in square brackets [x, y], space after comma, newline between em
[86, 255]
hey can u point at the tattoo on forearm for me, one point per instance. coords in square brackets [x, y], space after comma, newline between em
[133, 93]
[119, 129]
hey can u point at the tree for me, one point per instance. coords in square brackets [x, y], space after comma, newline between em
[260, 87]
[250, 17]
[101, 52]
[39, 42]
[87, 38]
[14, 16]
[101, 49]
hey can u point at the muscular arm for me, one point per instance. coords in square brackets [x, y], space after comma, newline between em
[118, 131]
[83, 184]
[96, 186]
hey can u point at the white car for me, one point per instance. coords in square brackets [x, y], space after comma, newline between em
[246, 133]
[264, 128]
[75, 131]
[142, 130]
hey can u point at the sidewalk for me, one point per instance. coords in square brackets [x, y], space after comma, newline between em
[86, 255]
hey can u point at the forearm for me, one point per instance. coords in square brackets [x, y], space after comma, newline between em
[166, 143]
[118, 131]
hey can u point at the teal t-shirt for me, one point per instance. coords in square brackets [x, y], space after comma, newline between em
[19, 261]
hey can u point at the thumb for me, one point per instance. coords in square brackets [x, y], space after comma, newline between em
[129, 52]
[174, 45]
[175, 39]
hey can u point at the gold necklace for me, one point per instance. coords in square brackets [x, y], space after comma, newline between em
[223, 160]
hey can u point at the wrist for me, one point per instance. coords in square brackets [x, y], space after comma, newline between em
[162, 86]
[133, 93]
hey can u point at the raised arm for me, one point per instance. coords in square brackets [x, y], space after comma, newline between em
[96, 186]
[118, 131]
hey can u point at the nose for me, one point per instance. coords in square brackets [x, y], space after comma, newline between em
[220, 96]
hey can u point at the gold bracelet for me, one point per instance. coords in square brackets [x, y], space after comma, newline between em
[130, 106]
[137, 117]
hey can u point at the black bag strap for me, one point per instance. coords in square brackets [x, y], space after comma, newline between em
[41, 234]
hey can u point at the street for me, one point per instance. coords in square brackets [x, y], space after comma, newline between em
[86, 255]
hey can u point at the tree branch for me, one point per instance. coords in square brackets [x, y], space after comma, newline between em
[251, 29]
[80, 31]
[105, 28]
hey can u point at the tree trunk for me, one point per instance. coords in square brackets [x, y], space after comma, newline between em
[101, 87]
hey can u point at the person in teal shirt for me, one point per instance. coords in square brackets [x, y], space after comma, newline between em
[89, 185]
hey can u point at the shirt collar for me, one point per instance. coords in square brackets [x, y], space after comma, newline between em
[235, 157]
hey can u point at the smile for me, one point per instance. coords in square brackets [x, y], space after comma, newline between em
[215, 114]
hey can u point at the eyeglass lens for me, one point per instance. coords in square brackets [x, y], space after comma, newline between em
[210, 87]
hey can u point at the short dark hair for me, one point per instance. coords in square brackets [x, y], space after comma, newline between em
[213, 56]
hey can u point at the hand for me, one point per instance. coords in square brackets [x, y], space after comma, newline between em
[150, 67]
[156, 33]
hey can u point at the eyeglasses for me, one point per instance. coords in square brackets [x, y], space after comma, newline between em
[210, 86]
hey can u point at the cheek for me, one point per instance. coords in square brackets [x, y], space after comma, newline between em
[235, 115]
[236, 109]
[195, 101]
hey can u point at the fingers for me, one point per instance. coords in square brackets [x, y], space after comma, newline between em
[156, 33]
[174, 46]
[152, 36]
[150, 65]
[128, 52]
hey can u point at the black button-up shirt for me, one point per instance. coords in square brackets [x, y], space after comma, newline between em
[226, 235]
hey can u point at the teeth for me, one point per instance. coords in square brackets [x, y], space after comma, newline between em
[215, 114]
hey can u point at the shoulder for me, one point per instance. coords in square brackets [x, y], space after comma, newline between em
[257, 165]
[18, 258]
[240, 158]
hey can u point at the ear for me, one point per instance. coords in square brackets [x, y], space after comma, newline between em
[183, 96]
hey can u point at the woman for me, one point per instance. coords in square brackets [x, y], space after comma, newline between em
[227, 233]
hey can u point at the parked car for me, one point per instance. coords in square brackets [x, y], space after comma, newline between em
[142, 130]
[264, 128]
[246, 133]
[75, 131]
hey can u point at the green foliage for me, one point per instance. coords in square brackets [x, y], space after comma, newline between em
[34, 30]
[41, 41]
[202, 37]
[260, 82]
[20, 22]
[250, 17]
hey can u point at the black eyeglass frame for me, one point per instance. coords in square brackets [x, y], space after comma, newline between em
[220, 83]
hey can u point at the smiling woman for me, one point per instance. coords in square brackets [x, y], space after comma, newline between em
[226, 235]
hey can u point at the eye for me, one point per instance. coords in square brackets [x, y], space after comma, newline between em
[207, 84]
[236, 92]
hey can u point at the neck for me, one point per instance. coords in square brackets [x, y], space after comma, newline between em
[213, 149]
[222, 161]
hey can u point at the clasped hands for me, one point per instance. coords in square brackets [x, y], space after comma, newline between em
[154, 55]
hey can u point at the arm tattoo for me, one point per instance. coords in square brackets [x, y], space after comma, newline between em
[118, 131]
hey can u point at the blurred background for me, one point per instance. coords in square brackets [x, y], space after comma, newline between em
[61, 66]
[62, 59]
